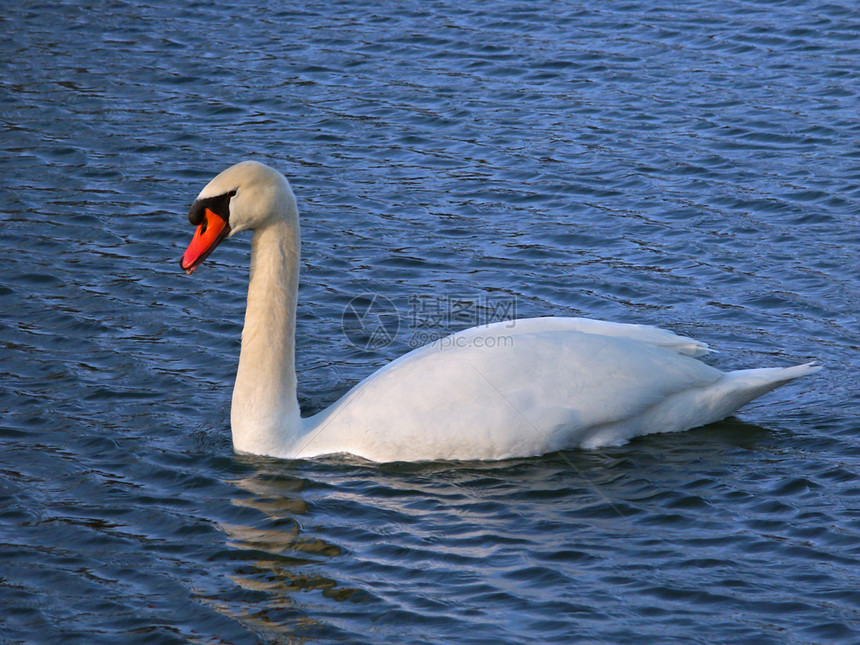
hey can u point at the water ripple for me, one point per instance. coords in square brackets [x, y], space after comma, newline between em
[692, 167]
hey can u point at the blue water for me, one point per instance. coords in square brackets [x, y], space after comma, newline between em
[695, 167]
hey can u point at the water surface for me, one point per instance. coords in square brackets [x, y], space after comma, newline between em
[694, 168]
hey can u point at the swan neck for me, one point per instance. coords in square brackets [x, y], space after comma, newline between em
[265, 414]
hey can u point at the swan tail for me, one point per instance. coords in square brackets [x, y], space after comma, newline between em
[745, 385]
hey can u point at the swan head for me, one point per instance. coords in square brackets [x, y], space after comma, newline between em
[247, 196]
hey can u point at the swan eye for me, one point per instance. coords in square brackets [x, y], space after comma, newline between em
[219, 205]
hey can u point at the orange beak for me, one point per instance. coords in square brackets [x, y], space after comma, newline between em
[208, 235]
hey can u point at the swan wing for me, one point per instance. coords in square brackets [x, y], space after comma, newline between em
[488, 394]
[640, 333]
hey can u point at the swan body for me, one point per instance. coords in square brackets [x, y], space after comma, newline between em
[509, 389]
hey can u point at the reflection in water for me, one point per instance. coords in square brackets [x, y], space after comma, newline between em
[275, 559]
[510, 531]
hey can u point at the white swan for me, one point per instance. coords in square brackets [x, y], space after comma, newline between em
[493, 392]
